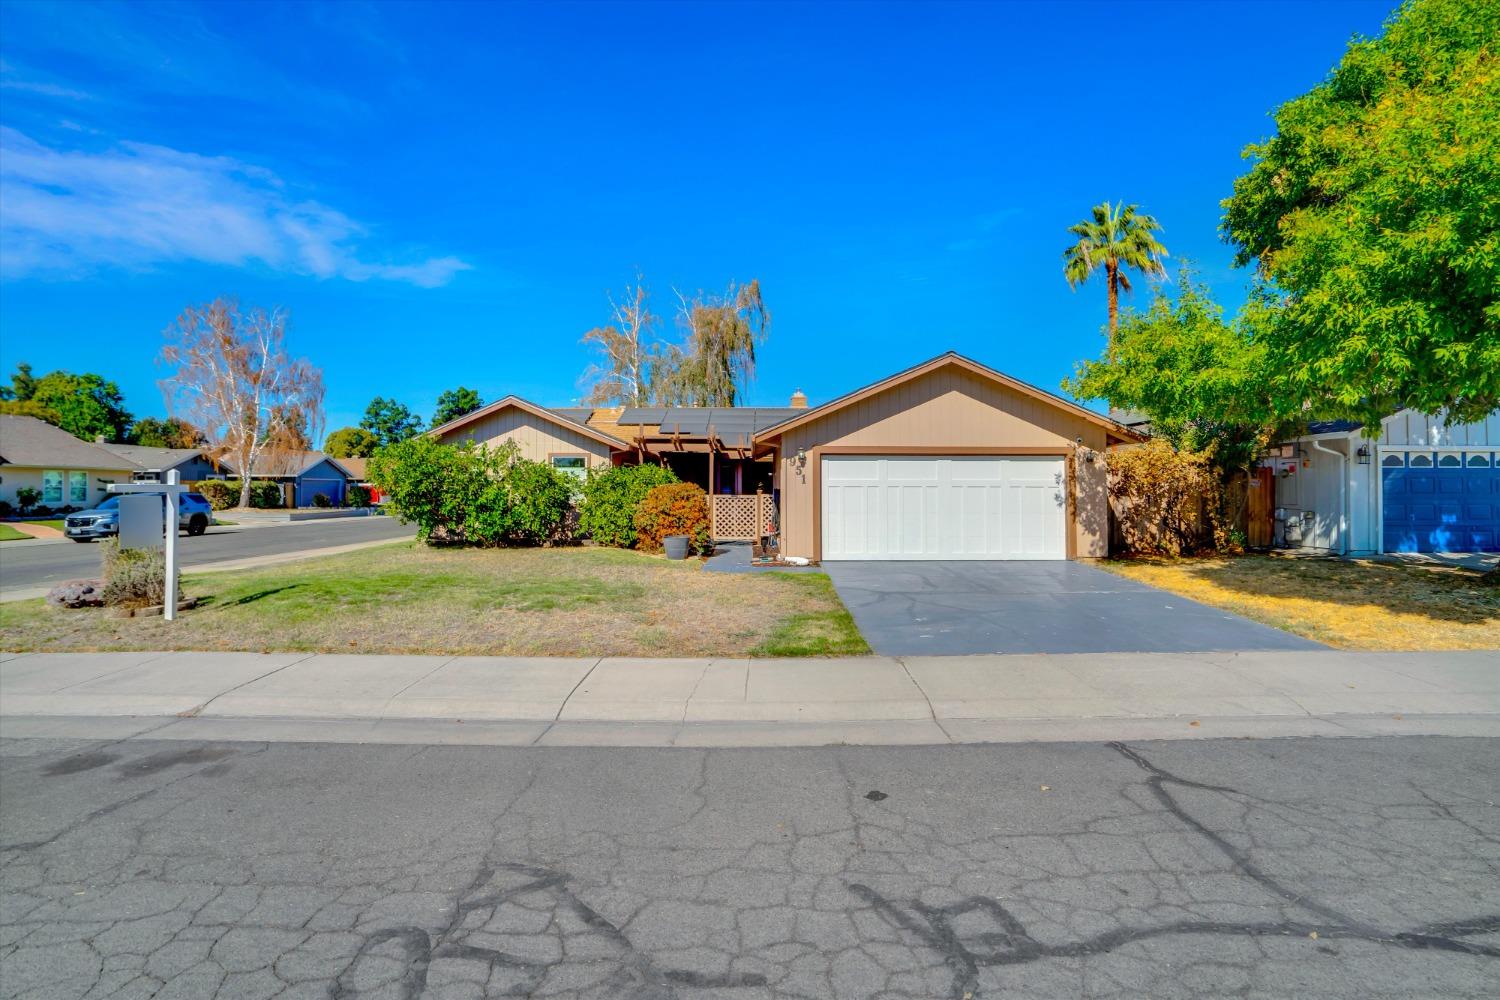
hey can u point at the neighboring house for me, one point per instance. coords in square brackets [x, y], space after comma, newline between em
[947, 460]
[359, 472]
[1422, 485]
[153, 464]
[557, 437]
[66, 471]
[302, 475]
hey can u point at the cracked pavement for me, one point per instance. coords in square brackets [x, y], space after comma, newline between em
[1274, 868]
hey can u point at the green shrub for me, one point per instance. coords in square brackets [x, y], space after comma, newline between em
[675, 509]
[222, 494]
[6, 510]
[540, 500]
[27, 497]
[218, 494]
[611, 498]
[357, 496]
[134, 578]
[322, 500]
[472, 495]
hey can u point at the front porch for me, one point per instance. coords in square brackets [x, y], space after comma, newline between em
[741, 506]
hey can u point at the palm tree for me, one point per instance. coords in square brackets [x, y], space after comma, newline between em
[1115, 238]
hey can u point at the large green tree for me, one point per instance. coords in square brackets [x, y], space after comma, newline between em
[455, 403]
[1373, 217]
[351, 442]
[1202, 382]
[169, 433]
[30, 408]
[1116, 238]
[22, 385]
[390, 421]
[87, 404]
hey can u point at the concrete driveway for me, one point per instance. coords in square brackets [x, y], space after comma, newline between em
[951, 608]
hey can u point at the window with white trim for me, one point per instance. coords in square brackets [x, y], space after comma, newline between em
[78, 487]
[1393, 460]
[573, 465]
[52, 486]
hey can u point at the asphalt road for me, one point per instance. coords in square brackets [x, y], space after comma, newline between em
[28, 564]
[1286, 868]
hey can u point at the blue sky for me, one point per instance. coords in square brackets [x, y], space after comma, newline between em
[443, 194]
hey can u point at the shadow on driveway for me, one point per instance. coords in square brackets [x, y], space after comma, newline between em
[955, 608]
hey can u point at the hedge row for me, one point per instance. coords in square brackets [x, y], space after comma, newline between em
[473, 495]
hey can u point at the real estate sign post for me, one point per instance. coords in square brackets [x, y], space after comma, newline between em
[163, 531]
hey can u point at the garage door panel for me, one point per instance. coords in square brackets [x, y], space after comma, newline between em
[950, 507]
[1441, 505]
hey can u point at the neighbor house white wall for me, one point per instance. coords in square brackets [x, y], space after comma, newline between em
[1317, 476]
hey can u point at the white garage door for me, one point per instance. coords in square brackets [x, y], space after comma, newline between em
[963, 507]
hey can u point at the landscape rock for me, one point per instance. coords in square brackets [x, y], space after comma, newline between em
[77, 594]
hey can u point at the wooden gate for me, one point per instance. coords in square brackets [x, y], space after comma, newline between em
[1260, 508]
[743, 517]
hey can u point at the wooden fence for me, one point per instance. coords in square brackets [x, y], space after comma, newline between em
[745, 517]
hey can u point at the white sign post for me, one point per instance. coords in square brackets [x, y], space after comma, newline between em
[173, 489]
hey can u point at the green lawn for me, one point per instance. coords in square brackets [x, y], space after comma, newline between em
[407, 598]
[9, 534]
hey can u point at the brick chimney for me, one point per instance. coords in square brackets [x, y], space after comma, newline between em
[799, 400]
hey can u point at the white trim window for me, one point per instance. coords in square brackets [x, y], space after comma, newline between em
[52, 486]
[576, 466]
[78, 487]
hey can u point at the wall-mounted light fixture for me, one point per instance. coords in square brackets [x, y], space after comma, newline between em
[1364, 454]
[801, 459]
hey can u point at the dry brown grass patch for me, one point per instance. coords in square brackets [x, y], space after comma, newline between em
[1351, 604]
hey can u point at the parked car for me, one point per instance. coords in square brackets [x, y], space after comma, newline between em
[194, 515]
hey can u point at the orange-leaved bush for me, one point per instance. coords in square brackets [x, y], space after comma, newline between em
[674, 509]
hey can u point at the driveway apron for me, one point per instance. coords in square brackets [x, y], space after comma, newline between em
[956, 608]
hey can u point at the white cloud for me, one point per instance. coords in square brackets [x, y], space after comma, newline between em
[67, 212]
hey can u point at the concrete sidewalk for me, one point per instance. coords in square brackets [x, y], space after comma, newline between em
[738, 702]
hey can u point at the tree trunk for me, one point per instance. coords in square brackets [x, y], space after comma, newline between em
[244, 483]
[1112, 271]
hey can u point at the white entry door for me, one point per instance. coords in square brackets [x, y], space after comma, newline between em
[960, 507]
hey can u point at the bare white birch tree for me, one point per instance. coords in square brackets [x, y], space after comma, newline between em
[233, 378]
[628, 373]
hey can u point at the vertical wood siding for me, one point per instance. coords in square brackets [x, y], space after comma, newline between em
[952, 408]
[536, 438]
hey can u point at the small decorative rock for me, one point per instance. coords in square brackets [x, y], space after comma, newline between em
[77, 594]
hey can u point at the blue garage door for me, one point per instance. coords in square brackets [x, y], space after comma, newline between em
[332, 488]
[1441, 501]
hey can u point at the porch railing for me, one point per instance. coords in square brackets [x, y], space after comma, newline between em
[741, 518]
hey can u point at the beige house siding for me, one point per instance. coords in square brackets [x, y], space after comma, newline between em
[538, 439]
[952, 409]
[15, 477]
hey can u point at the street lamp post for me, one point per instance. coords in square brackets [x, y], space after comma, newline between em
[173, 489]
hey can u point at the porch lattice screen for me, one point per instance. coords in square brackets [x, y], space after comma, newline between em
[741, 518]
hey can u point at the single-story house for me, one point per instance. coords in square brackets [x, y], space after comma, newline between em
[359, 473]
[302, 475]
[1421, 485]
[946, 460]
[66, 471]
[153, 464]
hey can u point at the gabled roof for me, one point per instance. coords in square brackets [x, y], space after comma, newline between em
[154, 459]
[286, 464]
[561, 419]
[35, 443]
[954, 359]
[357, 466]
